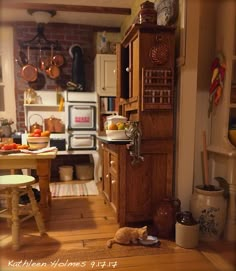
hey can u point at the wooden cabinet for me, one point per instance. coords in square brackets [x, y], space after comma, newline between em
[146, 70]
[134, 190]
[105, 74]
[110, 175]
[146, 95]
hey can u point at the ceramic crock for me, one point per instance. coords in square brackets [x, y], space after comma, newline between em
[186, 230]
[114, 119]
[209, 208]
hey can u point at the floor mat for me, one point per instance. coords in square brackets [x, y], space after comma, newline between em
[64, 189]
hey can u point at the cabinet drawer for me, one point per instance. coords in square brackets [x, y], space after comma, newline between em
[113, 163]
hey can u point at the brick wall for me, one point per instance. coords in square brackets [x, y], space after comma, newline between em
[66, 35]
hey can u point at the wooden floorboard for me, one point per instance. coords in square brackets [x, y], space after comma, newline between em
[74, 222]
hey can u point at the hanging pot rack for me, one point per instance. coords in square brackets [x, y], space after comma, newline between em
[39, 41]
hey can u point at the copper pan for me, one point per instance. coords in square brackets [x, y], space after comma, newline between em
[58, 60]
[29, 72]
[53, 71]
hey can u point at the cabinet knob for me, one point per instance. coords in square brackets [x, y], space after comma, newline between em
[107, 175]
[128, 69]
[114, 71]
[103, 88]
[113, 181]
[112, 162]
[102, 145]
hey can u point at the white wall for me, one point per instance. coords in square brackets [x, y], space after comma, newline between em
[186, 108]
[7, 56]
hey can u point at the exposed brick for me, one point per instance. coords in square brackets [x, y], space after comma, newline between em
[66, 35]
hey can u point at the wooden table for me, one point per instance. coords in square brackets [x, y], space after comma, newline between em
[42, 163]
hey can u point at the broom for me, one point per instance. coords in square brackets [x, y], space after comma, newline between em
[206, 183]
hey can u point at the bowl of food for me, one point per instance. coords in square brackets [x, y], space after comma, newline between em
[151, 240]
[36, 143]
[114, 120]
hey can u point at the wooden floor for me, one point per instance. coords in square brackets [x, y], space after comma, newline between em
[76, 219]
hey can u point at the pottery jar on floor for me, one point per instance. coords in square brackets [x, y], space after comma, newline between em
[209, 208]
[165, 217]
[186, 230]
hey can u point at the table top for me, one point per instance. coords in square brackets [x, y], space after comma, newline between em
[20, 155]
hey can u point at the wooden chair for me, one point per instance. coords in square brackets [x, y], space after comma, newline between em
[11, 188]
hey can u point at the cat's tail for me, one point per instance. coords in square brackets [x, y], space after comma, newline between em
[110, 242]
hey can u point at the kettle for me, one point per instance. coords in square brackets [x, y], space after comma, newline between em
[35, 125]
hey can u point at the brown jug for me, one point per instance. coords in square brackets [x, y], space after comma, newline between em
[165, 217]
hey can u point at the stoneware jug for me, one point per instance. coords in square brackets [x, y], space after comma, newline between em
[209, 208]
[165, 217]
[186, 230]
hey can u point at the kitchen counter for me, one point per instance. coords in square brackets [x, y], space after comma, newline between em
[106, 139]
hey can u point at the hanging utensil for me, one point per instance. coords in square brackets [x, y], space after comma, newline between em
[23, 57]
[29, 72]
[58, 60]
[53, 71]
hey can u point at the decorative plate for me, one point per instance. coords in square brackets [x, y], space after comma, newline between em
[160, 52]
[167, 11]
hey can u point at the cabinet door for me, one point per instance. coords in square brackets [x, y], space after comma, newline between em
[106, 75]
[106, 175]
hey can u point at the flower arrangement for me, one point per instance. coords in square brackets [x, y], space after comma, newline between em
[6, 122]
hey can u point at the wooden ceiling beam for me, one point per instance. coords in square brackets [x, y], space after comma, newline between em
[67, 8]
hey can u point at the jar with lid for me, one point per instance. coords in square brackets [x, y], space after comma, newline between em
[187, 230]
[147, 14]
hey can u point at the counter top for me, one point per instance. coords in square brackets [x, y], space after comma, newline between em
[106, 139]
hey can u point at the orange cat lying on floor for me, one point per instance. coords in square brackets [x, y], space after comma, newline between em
[127, 235]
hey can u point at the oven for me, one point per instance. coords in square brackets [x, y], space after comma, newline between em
[78, 141]
[81, 119]
[81, 116]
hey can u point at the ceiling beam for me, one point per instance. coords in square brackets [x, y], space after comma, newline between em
[68, 8]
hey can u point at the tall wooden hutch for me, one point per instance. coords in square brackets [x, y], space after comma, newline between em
[145, 91]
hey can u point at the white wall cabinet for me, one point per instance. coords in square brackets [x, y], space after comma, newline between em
[105, 74]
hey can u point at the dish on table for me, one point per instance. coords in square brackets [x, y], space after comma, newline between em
[151, 240]
[9, 151]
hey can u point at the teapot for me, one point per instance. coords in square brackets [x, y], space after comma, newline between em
[35, 125]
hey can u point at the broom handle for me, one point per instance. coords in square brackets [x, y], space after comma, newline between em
[205, 160]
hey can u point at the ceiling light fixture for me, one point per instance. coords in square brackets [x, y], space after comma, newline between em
[42, 16]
